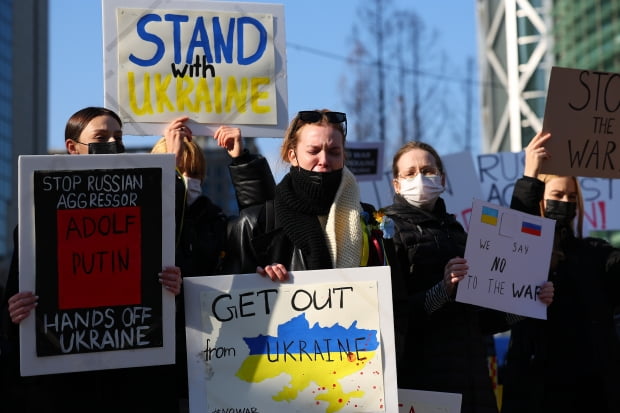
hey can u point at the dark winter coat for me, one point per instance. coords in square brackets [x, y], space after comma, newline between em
[570, 362]
[256, 239]
[201, 236]
[445, 350]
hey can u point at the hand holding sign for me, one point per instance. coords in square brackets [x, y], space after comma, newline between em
[508, 254]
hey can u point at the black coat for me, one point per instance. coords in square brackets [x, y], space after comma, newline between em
[445, 350]
[255, 238]
[201, 244]
[570, 362]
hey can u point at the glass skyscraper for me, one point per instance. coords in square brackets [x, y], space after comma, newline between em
[586, 34]
[23, 103]
[519, 42]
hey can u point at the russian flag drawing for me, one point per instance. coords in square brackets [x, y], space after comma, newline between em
[531, 228]
[489, 215]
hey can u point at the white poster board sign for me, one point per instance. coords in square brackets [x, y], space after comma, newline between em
[461, 186]
[420, 401]
[581, 114]
[508, 253]
[321, 342]
[216, 62]
[94, 232]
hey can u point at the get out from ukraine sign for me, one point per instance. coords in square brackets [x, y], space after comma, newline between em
[216, 62]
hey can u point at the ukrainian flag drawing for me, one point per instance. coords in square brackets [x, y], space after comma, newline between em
[531, 228]
[489, 215]
[319, 356]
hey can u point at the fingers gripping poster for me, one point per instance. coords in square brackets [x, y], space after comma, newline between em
[508, 253]
[323, 343]
[92, 241]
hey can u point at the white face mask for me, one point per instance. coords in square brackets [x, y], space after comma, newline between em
[421, 191]
[194, 189]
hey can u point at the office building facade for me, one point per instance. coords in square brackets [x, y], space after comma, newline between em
[519, 42]
[23, 102]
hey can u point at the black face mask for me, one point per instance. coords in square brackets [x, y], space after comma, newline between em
[105, 147]
[562, 212]
[318, 186]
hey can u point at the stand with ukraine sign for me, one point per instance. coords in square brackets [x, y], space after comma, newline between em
[216, 62]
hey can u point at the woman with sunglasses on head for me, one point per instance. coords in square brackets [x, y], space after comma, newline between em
[316, 219]
[441, 344]
[571, 361]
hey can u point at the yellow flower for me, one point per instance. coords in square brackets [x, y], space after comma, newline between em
[379, 216]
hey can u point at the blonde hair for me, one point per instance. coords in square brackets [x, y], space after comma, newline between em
[193, 162]
[548, 177]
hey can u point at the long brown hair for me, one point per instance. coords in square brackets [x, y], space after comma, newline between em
[80, 119]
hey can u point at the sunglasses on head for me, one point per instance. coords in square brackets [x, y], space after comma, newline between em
[312, 116]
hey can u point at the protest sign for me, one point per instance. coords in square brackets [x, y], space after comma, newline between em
[365, 160]
[581, 114]
[508, 253]
[460, 185]
[94, 232]
[216, 62]
[498, 173]
[321, 342]
[420, 401]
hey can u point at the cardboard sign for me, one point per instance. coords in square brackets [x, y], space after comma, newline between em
[94, 232]
[583, 116]
[508, 253]
[365, 160]
[217, 62]
[322, 342]
[420, 401]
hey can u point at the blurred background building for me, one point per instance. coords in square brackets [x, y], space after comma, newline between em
[519, 42]
[23, 102]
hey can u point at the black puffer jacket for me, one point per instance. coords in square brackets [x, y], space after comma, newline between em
[201, 236]
[444, 350]
[570, 362]
[255, 238]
